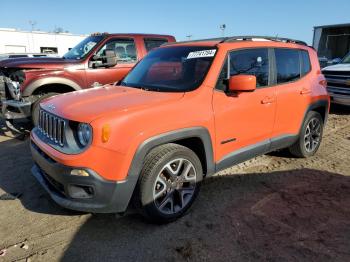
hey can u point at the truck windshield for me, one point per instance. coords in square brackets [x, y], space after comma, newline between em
[172, 69]
[83, 48]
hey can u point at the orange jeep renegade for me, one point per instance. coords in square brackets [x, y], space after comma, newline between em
[184, 112]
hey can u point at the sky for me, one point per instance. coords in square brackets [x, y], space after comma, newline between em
[201, 19]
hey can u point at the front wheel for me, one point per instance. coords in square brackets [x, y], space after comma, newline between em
[36, 107]
[170, 182]
[310, 136]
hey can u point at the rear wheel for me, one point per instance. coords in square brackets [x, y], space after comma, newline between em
[36, 107]
[170, 182]
[310, 137]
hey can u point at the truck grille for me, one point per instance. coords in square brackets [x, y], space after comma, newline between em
[338, 82]
[52, 127]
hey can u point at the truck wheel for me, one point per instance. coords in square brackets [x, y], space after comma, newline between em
[310, 137]
[36, 107]
[169, 183]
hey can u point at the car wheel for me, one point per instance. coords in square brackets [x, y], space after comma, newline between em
[169, 183]
[36, 107]
[310, 137]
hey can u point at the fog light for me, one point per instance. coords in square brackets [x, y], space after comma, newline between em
[79, 172]
[82, 192]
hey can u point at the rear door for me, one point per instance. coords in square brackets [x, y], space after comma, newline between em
[244, 121]
[293, 89]
[127, 55]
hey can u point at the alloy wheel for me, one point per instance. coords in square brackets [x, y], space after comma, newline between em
[174, 186]
[312, 136]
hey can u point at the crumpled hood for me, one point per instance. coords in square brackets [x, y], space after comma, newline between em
[338, 67]
[38, 63]
[88, 105]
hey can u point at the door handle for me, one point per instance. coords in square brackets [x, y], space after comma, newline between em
[268, 100]
[305, 91]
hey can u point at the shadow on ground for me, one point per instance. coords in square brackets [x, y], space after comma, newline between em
[299, 215]
[16, 179]
[339, 109]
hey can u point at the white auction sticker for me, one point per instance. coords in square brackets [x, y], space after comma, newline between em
[203, 53]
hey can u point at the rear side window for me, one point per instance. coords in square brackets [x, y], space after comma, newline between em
[151, 43]
[305, 62]
[287, 65]
[251, 62]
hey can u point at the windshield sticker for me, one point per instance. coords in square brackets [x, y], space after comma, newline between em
[203, 53]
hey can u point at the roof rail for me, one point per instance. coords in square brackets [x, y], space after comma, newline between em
[242, 38]
[270, 38]
[194, 41]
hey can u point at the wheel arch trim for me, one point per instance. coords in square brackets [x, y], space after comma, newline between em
[50, 81]
[170, 137]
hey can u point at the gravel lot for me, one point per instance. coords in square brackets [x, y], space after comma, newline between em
[271, 208]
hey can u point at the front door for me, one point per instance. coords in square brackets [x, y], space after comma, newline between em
[244, 121]
[126, 52]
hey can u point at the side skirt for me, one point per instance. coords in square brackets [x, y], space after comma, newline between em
[255, 150]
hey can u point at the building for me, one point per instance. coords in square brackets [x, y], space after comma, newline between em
[332, 41]
[16, 41]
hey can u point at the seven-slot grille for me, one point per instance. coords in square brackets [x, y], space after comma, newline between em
[338, 82]
[52, 127]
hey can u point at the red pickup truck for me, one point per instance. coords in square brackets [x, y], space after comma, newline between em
[98, 60]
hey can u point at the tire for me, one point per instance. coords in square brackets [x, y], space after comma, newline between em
[166, 190]
[310, 136]
[36, 107]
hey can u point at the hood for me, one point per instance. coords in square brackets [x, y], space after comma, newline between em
[337, 67]
[37, 63]
[88, 105]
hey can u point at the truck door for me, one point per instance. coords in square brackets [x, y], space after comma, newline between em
[244, 121]
[127, 56]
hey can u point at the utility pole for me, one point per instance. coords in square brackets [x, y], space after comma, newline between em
[223, 27]
[32, 25]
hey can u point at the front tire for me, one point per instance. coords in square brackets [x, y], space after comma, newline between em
[169, 183]
[36, 107]
[310, 136]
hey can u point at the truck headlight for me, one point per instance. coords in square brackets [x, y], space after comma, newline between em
[84, 134]
[14, 89]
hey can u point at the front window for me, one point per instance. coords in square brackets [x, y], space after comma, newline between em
[83, 48]
[124, 49]
[172, 69]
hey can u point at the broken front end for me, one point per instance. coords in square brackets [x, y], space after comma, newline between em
[13, 105]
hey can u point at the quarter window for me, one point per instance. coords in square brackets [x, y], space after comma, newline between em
[251, 62]
[288, 65]
[151, 43]
[305, 63]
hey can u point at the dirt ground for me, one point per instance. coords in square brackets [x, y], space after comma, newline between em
[272, 208]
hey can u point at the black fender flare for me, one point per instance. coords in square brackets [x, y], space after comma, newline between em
[318, 104]
[169, 137]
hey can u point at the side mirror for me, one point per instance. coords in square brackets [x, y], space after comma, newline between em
[242, 83]
[108, 59]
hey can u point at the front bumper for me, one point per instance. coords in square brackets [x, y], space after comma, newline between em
[13, 109]
[340, 99]
[107, 196]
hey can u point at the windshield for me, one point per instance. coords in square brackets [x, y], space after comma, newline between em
[83, 48]
[346, 59]
[172, 69]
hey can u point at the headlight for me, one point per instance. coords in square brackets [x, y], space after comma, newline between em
[14, 88]
[84, 134]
